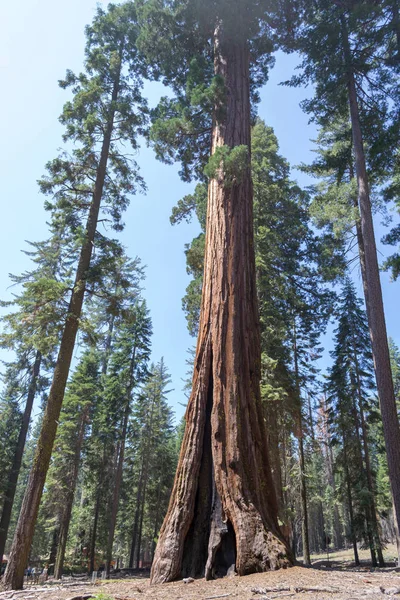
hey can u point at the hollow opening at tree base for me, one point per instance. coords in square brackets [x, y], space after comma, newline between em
[210, 544]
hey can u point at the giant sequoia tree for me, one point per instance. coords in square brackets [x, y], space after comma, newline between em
[223, 510]
[291, 264]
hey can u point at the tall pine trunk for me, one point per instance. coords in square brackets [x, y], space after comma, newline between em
[362, 472]
[139, 540]
[117, 487]
[303, 497]
[328, 455]
[136, 520]
[273, 433]
[224, 474]
[69, 499]
[350, 501]
[337, 531]
[54, 545]
[156, 523]
[118, 474]
[17, 460]
[14, 576]
[92, 555]
[100, 483]
[302, 464]
[373, 291]
[368, 469]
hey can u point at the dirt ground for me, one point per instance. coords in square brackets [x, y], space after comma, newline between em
[299, 583]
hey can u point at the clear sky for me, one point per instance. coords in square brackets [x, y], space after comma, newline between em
[39, 40]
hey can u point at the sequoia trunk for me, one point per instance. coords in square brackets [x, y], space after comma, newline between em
[223, 473]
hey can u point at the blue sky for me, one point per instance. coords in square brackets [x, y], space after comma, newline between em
[39, 40]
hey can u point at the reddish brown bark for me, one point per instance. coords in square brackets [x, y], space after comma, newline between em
[223, 472]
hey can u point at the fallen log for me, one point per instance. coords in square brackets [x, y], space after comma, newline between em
[317, 588]
[263, 591]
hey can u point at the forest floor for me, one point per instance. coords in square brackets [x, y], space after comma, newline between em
[339, 580]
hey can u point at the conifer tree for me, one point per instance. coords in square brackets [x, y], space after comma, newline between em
[10, 424]
[113, 303]
[114, 289]
[32, 330]
[216, 55]
[291, 266]
[81, 396]
[345, 35]
[395, 362]
[351, 386]
[106, 109]
[128, 369]
[152, 422]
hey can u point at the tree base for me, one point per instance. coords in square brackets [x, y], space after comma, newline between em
[215, 544]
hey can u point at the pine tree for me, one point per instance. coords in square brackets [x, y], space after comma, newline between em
[341, 46]
[351, 385]
[32, 330]
[395, 362]
[152, 425]
[324, 435]
[81, 396]
[106, 110]
[10, 424]
[128, 369]
[115, 307]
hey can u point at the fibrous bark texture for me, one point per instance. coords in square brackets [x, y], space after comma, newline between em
[223, 510]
